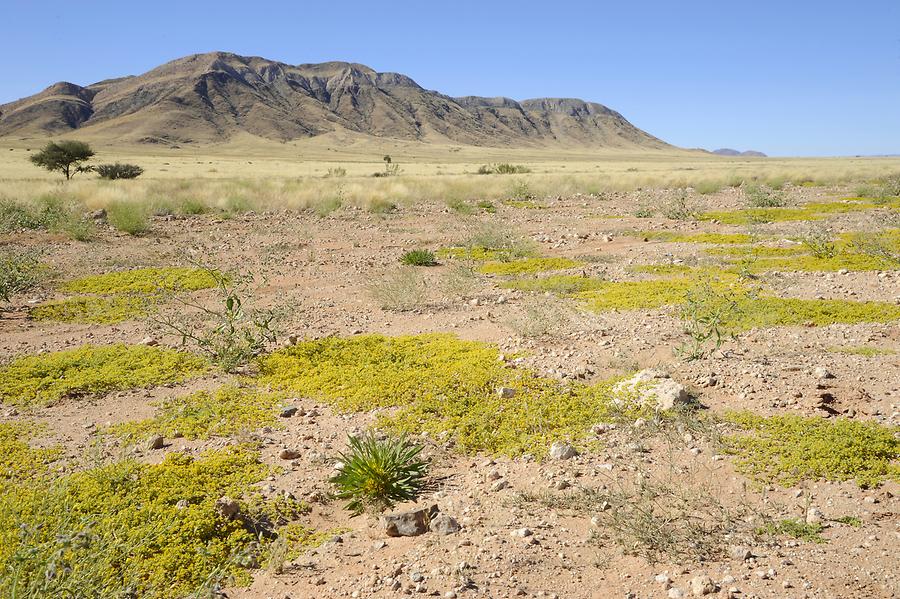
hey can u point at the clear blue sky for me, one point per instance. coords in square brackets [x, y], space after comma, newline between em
[802, 77]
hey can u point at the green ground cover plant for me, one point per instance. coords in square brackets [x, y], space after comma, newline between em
[441, 385]
[45, 379]
[93, 309]
[141, 530]
[227, 411]
[788, 449]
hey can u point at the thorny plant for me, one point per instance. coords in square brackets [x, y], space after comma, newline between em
[231, 334]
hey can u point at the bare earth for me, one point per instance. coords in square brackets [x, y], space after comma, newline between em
[323, 267]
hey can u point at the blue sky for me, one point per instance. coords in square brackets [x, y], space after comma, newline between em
[808, 77]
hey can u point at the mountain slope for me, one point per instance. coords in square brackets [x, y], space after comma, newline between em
[207, 98]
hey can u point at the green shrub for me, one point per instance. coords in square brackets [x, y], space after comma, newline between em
[379, 473]
[128, 217]
[91, 309]
[788, 449]
[144, 280]
[760, 196]
[230, 335]
[118, 171]
[418, 258]
[88, 370]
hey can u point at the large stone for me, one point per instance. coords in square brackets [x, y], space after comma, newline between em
[702, 585]
[651, 387]
[408, 524]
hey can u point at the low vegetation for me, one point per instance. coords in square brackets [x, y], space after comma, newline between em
[132, 529]
[227, 411]
[118, 171]
[419, 258]
[91, 370]
[796, 529]
[93, 309]
[19, 272]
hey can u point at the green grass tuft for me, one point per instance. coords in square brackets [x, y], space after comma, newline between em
[88, 370]
[379, 474]
[788, 449]
[796, 529]
[418, 258]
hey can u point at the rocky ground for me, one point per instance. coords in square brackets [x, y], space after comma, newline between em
[510, 527]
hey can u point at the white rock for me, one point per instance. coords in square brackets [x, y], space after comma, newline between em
[562, 451]
[652, 387]
[702, 585]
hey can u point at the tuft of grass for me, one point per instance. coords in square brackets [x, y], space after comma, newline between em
[441, 386]
[418, 258]
[528, 266]
[225, 412]
[379, 473]
[140, 530]
[19, 271]
[849, 521]
[143, 280]
[88, 370]
[796, 529]
[400, 290]
[93, 309]
[128, 217]
[788, 449]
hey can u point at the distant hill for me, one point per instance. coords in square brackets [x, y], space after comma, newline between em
[730, 152]
[208, 98]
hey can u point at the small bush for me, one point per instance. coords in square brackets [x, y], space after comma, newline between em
[760, 196]
[705, 314]
[820, 243]
[679, 208]
[128, 217]
[418, 258]
[118, 171]
[503, 168]
[19, 271]
[230, 335]
[378, 474]
[336, 172]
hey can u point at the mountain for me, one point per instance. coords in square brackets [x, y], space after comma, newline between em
[730, 152]
[208, 98]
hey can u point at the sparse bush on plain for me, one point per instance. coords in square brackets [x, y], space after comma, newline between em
[379, 473]
[820, 243]
[337, 171]
[231, 334]
[118, 171]
[679, 208]
[760, 196]
[67, 157]
[503, 168]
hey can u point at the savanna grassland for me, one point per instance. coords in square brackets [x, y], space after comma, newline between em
[615, 375]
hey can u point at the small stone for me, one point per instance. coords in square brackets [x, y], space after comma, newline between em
[443, 524]
[814, 516]
[289, 454]
[562, 451]
[702, 585]
[506, 392]
[408, 524]
[227, 507]
[156, 442]
[821, 372]
[522, 532]
[499, 485]
[288, 412]
[149, 341]
[740, 553]
[416, 577]
[674, 593]
[662, 579]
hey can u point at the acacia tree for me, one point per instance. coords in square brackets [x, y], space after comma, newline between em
[66, 157]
